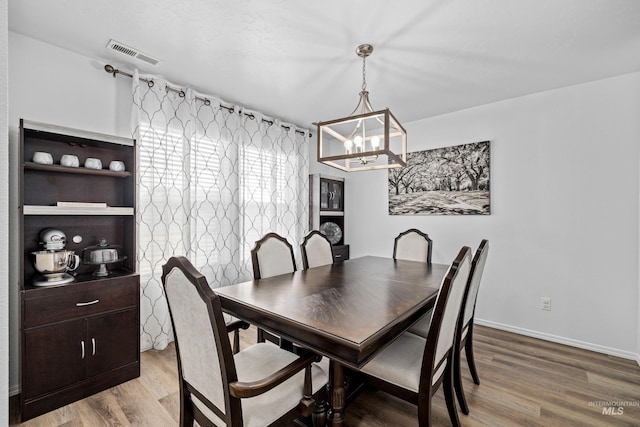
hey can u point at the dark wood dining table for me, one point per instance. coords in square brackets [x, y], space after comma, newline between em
[347, 312]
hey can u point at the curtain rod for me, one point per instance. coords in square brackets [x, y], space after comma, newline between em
[113, 71]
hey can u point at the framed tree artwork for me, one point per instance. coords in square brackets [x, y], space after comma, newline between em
[444, 181]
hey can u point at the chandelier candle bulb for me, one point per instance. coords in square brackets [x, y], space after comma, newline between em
[348, 145]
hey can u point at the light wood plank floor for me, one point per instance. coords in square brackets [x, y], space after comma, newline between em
[524, 382]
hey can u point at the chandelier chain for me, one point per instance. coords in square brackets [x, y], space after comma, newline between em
[364, 73]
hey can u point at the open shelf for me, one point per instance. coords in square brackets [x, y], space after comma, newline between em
[72, 210]
[331, 213]
[78, 170]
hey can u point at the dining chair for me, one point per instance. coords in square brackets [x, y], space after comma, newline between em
[412, 367]
[412, 245]
[316, 250]
[465, 333]
[272, 255]
[259, 386]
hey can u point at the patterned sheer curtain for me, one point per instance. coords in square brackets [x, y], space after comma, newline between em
[210, 183]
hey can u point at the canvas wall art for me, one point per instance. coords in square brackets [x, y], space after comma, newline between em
[444, 181]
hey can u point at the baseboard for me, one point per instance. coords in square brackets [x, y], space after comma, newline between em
[561, 340]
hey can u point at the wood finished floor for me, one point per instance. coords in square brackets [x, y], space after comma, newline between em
[524, 382]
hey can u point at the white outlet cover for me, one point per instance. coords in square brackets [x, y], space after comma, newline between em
[545, 304]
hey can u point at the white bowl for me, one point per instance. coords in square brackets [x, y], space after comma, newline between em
[42, 158]
[92, 163]
[70, 161]
[116, 166]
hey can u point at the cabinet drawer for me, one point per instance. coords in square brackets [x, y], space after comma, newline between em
[80, 300]
[340, 253]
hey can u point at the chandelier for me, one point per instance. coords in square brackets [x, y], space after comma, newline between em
[365, 139]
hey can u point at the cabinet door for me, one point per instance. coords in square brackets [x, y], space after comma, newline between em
[325, 194]
[331, 195]
[54, 357]
[337, 199]
[112, 341]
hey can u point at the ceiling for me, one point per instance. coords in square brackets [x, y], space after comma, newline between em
[295, 60]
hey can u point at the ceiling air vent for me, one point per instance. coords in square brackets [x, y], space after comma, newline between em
[129, 51]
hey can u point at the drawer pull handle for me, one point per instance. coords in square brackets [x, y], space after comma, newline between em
[82, 348]
[93, 346]
[82, 304]
[338, 256]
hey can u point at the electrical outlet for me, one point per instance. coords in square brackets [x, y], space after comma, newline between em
[545, 303]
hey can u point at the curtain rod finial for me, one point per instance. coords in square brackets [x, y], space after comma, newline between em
[109, 69]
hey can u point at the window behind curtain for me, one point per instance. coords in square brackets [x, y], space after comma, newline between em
[211, 183]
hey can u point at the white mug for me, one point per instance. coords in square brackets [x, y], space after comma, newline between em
[70, 161]
[93, 163]
[116, 166]
[43, 158]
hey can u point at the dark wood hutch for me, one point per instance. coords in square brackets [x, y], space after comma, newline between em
[81, 337]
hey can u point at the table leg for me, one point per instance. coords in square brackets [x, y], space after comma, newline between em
[337, 394]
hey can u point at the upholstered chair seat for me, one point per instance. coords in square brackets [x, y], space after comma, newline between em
[257, 362]
[400, 363]
[316, 250]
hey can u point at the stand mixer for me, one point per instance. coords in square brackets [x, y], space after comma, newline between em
[54, 262]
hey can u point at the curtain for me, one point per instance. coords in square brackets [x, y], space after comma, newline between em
[210, 183]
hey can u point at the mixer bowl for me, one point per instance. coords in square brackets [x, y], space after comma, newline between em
[50, 262]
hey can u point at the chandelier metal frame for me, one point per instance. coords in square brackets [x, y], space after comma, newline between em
[351, 136]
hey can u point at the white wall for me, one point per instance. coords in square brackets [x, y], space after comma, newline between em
[4, 218]
[53, 85]
[564, 221]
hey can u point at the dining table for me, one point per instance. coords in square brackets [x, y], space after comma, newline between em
[347, 312]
